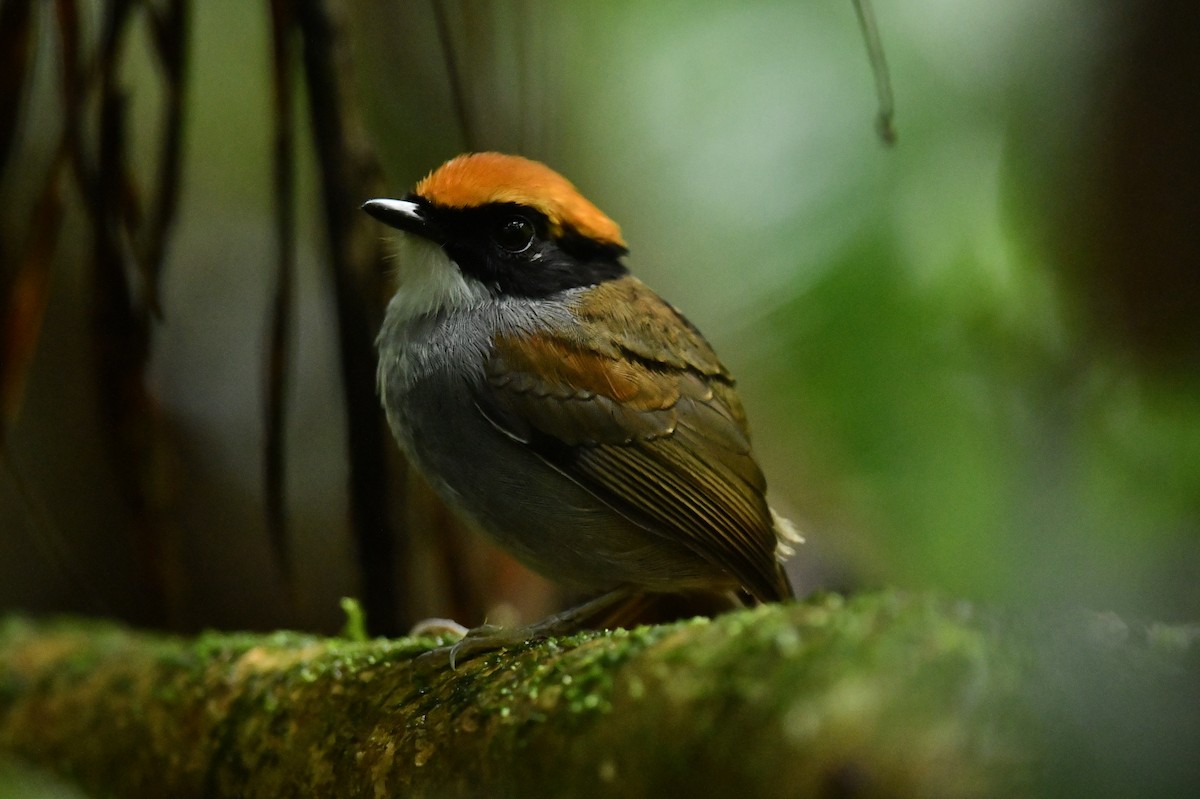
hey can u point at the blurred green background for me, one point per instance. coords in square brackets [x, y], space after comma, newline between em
[969, 360]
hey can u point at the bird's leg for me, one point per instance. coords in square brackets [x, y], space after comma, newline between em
[489, 637]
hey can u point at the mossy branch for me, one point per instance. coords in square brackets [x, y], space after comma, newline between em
[884, 694]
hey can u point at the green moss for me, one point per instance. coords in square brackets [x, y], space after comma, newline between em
[915, 693]
[355, 628]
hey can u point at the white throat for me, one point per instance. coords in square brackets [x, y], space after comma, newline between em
[429, 281]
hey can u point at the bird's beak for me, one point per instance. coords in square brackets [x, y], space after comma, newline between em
[404, 215]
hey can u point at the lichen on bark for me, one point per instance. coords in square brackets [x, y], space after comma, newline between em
[884, 694]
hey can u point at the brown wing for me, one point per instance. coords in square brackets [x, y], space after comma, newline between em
[653, 429]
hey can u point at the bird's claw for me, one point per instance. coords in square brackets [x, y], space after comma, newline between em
[476, 641]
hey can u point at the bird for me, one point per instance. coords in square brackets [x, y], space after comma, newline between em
[560, 405]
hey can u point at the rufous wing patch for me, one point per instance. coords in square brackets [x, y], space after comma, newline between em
[664, 445]
[631, 315]
[569, 371]
[574, 396]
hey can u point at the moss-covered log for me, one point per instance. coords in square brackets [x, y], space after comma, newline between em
[881, 695]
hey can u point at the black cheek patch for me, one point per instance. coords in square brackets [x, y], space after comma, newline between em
[550, 265]
[546, 269]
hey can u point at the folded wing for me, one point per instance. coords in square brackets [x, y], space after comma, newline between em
[633, 405]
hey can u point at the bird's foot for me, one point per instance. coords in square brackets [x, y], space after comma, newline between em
[489, 637]
[473, 642]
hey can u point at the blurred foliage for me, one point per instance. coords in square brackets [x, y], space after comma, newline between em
[936, 396]
[936, 393]
[21, 781]
[972, 361]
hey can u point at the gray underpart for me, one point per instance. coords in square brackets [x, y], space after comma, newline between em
[430, 378]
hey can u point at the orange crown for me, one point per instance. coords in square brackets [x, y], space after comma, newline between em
[476, 179]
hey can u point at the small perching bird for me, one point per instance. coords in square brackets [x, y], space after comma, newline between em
[560, 405]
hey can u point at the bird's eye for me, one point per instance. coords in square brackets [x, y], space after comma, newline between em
[514, 234]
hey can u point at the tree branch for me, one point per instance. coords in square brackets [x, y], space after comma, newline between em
[883, 694]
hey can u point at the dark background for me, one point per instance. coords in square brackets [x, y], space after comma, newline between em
[970, 360]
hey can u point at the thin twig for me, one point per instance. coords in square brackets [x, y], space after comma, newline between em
[121, 330]
[457, 93]
[15, 37]
[883, 82]
[170, 37]
[279, 337]
[348, 173]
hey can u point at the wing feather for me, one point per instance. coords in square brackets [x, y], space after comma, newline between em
[653, 430]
